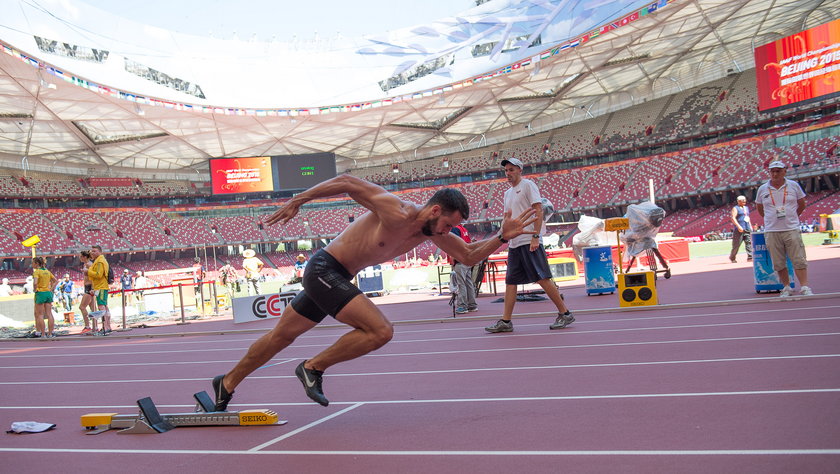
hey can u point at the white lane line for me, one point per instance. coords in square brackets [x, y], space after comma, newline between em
[640, 452]
[400, 331]
[465, 351]
[606, 344]
[587, 320]
[304, 428]
[631, 396]
[457, 371]
[569, 333]
[443, 339]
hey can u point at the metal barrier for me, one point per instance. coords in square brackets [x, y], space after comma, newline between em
[211, 289]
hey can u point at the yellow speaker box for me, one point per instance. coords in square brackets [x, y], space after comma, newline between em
[637, 289]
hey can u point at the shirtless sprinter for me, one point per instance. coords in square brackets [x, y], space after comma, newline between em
[392, 228]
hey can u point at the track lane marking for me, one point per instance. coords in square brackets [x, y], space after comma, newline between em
[305, 427]
[641, 452]
[458, 371]
[477, 337]
[449, 352]
[808, 391]
[436, 330]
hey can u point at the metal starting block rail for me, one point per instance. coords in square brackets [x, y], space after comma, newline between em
[150, 420]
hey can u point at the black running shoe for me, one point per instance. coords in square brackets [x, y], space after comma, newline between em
[311, 380]
[222, 395]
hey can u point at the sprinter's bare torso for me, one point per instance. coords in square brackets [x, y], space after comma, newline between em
[392, 228]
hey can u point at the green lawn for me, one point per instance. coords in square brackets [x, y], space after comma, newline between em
[723, 247]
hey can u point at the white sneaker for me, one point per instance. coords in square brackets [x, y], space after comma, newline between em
[806, 291]
[786, 291]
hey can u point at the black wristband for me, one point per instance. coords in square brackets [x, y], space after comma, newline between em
[501, 239]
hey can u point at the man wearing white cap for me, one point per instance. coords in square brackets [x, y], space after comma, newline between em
[527, 261]
[780, 201]
[252, 266]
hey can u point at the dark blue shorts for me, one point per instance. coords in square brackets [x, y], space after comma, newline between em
[524, 266]
[327, 288]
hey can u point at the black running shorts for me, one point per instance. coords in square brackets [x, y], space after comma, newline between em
[524, 266]
[326, 282]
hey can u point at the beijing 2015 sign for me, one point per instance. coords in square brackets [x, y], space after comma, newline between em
[256, 308]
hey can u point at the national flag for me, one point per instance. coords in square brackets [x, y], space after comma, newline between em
[608, 27]
[629, 19]
[653, 7]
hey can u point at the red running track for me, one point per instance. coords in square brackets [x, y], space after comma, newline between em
[735, 386]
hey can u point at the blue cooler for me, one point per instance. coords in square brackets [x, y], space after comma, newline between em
[765, 278]
[371, 281]
[598, 270]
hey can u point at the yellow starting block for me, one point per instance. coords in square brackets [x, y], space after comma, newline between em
[149, 420]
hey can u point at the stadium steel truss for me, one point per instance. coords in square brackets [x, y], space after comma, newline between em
[73, 98]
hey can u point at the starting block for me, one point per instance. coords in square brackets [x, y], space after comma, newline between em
[150, 420]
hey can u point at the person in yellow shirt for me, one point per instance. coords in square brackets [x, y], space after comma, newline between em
[98, 274]
[45, 283]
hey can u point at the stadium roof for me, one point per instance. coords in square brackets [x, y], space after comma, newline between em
[500, 71]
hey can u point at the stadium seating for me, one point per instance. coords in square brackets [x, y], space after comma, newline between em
[11, 186]
[141, 229]
[236, 229]
[719, 167]
[190, 231]
[561, 188]
[29, 224]
[88, 228]
[660, 169]
[604, 182]
[327, 222]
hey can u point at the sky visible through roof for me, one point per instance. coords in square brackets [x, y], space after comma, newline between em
[282, 20]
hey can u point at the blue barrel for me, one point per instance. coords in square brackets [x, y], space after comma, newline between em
[598, 270]
[766, 279]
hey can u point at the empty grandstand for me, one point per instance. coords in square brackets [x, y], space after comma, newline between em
[596, 126]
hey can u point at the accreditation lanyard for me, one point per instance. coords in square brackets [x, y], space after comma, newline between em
[784, 196]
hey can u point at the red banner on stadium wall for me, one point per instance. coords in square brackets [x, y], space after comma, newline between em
[110, 182]
[799, 67]
[241, 175]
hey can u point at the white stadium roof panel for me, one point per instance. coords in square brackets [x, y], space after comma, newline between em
[268, 98]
